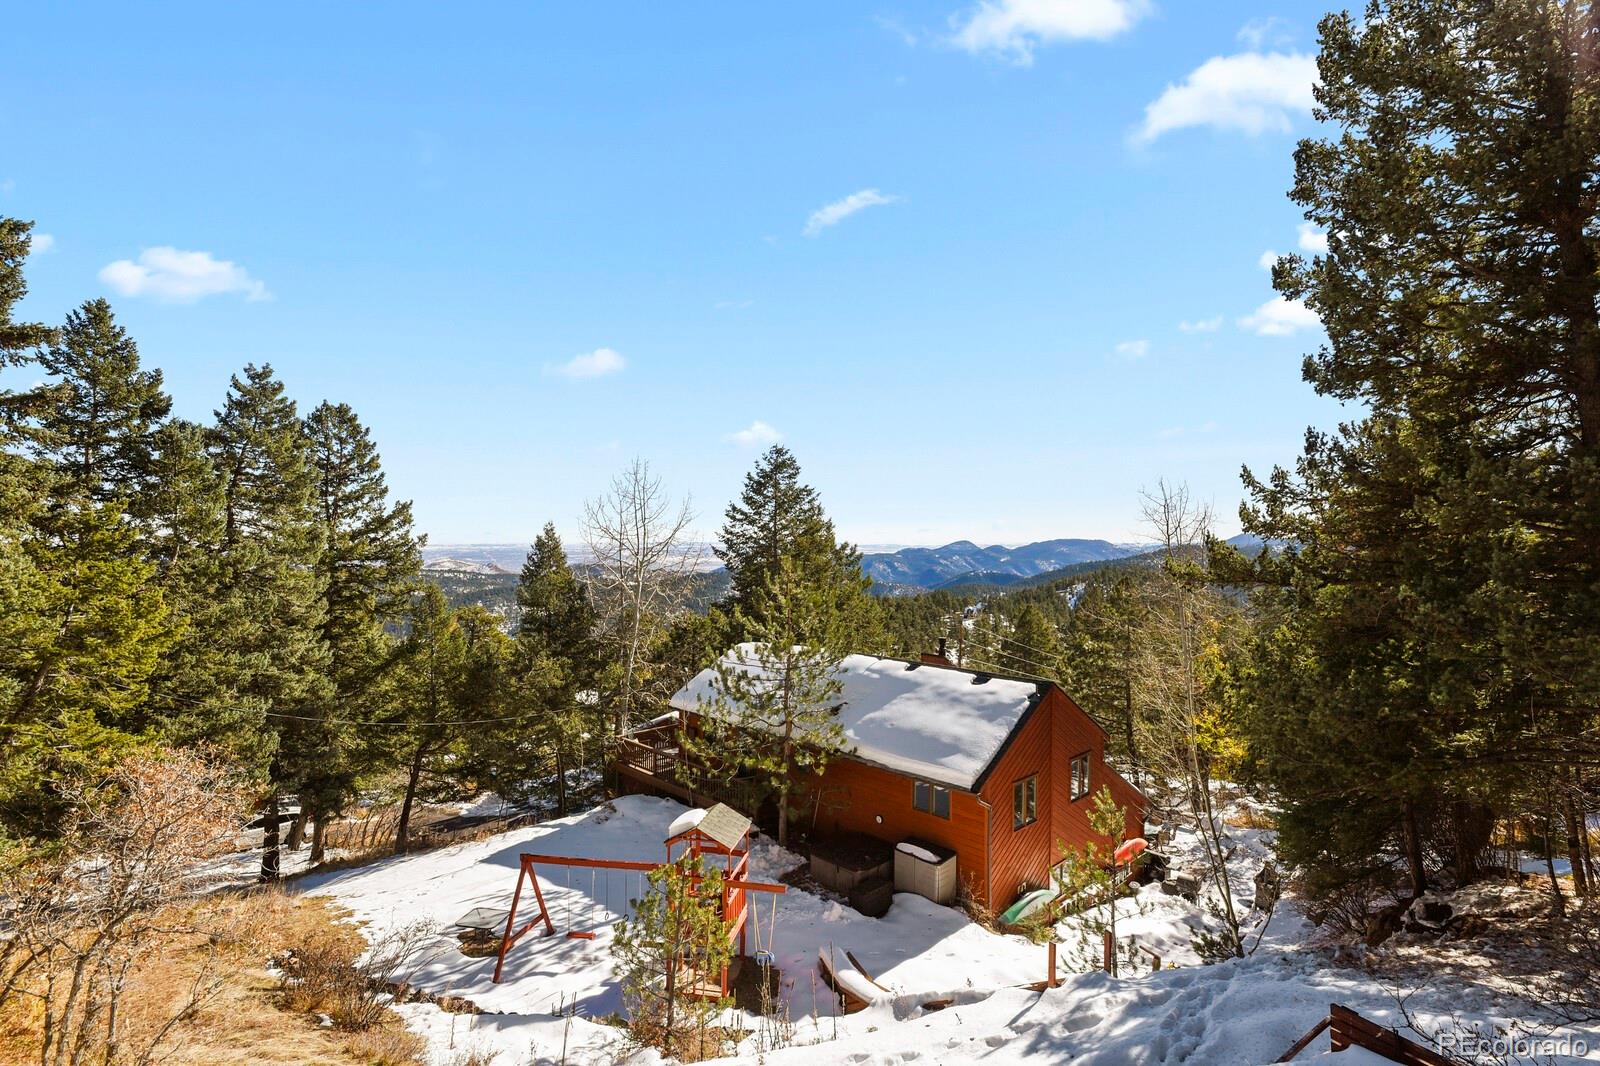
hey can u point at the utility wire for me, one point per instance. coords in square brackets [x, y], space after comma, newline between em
[1002, 636]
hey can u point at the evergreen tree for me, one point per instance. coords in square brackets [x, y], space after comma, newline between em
[773, 710]
[1444, 584]
[678, 925]
[95, 420]
[369, 564]
[1031, 644]
[434, 655]
[558, 661]
[776, 518]
[94, 631]
[17, 339]
[24, 622]
[1098, 662]
[85, 622]
[200, 692]
[271, 549]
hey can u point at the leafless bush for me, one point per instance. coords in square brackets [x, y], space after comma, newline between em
[328, 974]
[77, 919]
[1572, 989]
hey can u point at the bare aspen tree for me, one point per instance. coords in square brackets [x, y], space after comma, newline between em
[637, 535]
[1183, 621]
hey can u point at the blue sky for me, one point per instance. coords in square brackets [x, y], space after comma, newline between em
[988, 269]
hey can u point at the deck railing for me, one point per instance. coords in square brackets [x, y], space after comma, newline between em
[657, 761]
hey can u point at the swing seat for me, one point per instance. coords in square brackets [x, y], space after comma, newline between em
[765, 957]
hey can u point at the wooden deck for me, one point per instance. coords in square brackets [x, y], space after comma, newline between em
[652, 767]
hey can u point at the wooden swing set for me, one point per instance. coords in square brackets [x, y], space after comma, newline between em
[721, 831]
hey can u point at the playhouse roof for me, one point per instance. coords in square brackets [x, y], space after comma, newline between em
[931, 722]
[721, 823]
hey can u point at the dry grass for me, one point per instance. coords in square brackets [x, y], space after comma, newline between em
[248, 1019]
[1251, 818]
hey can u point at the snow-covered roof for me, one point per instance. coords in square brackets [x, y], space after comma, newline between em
[933, 722]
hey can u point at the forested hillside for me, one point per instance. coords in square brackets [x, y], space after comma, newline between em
[1400, 655]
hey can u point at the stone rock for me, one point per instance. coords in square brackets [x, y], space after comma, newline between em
[1186, 886]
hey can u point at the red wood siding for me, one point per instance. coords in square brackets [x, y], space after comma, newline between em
[1057, 732]
[995, 860]
[1018, 855]
[860, 798]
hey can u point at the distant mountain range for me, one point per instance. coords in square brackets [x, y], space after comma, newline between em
[964, 562]
[899, 572]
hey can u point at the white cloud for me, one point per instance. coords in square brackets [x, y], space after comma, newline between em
[180, 277]
[1262, 32]
[1268, 260]
[41, 243]
[755, 435]
[1252, 92]
[1313, 241]
[1133, 349]
[1201, 325]
[1280, 317]
[595, 364]
[836, 212]
[1015, 28]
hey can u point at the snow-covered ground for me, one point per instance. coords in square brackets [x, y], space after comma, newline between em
[555, 988]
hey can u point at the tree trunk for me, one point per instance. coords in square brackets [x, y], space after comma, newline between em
[319, 839]
[1575, 828]
[1549, 862]
[1412, 839]
[297, 830]
[270, 860]
[402, 831]
[561, 781]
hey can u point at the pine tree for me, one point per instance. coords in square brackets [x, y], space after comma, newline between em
[95, 420]
[199, 692]
[777, 518]
[1030, 644]
[91, 638]
[1445, 581]
[17, 339]
[24, 591]
[86, 623]
[369, 565]
[676, 926]
[1099, 663]
[773, 710]
[434, 657]
[448, 712]
[558, 659]
[271, 549]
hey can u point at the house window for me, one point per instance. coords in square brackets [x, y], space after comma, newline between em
[930, 799]
[1080, 776]
[1025, 802]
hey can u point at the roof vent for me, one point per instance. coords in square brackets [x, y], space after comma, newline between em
[980, 679]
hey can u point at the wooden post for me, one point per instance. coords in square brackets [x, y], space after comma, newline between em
[1305, 1041]
[511, 917]
[1050, 981]
[1110, 959]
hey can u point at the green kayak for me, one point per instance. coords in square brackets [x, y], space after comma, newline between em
[1025, 907]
